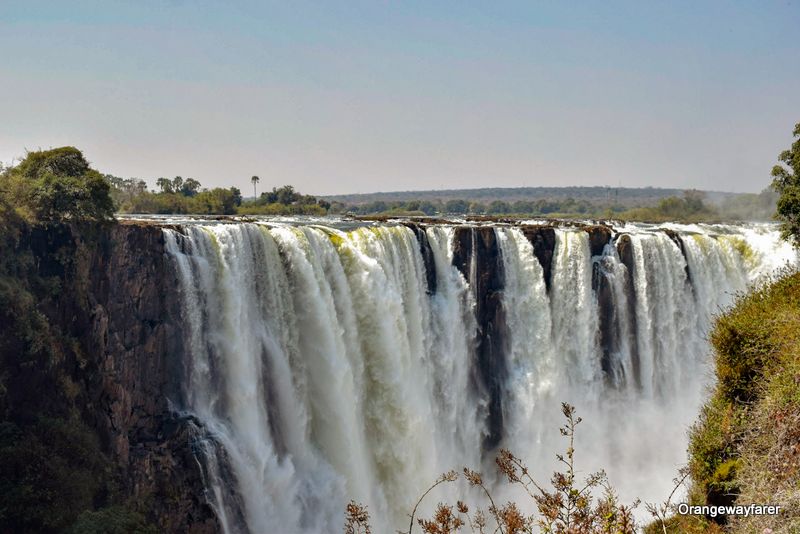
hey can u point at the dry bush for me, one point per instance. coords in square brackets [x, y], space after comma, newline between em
[356, 519]
[569, 507]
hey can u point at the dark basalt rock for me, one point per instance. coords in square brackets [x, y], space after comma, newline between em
[612, 325]
[608, 320]
[543, 239]
[427, 255]
[462, 249]
[625, 252]
[118, 300]
[676, 238]
[487, 280]
[599, 237]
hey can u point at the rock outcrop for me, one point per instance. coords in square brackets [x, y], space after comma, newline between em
[625, 252]
[427, 255]
[543, 239]
[599, 237]
[676, 238]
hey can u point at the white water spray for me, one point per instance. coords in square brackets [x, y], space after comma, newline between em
[325, 365]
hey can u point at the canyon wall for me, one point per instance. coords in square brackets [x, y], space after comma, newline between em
[114, 311]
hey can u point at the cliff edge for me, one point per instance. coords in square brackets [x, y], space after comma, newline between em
[90, 354]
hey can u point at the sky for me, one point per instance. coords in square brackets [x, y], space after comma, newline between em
[350, 97]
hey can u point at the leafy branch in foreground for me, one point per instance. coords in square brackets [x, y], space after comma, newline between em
[661, 511]
[569, 508]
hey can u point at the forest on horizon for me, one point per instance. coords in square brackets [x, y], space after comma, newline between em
[646, 204]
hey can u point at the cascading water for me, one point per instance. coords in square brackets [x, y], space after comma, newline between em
[324, 365]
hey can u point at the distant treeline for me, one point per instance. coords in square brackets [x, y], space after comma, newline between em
[185, 196]
[689, 205]
[625, 196]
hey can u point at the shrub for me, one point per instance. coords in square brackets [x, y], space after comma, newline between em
[569, 507]
[741, 447]
[58, 184]
[50, 470]
[112, 520]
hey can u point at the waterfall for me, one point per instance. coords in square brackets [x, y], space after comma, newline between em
[324, 364]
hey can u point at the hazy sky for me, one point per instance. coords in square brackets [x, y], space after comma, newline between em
[390, 95]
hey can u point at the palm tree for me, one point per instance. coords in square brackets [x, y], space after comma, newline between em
[255, 180]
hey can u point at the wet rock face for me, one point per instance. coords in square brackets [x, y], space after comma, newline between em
[611, 321]
[543, 239]
[120, 302]
[427, 255]
[608, 321]
[462, 249]
[488, 280]
[599, 237]
[676, 238]
[625, 252]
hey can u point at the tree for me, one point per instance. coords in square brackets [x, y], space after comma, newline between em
[428, 208]
[412, 205]
[125, 190]
[498, 207]
[255, 179]
[165, 184]
[694, 200]
[522, 206]
[477, 208]
[64, 161]
[786, 182]
[59, 184]
[379, 206]
[456, 206]
[672, 207]
[216, 201]
[237, 196]
[286, 195]
[190, 187]
[177, 183]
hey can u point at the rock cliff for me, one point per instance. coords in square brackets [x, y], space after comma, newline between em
[117, 304]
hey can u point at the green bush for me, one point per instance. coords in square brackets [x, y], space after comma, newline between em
[753, 334]
[713, 443]
[786, 182]
[58, 184]
[684, 524]
[112, 520]
[751, 411]
[50, 470]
